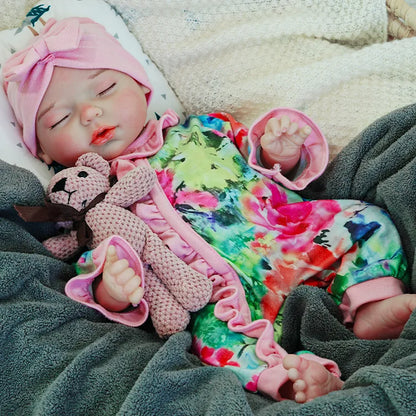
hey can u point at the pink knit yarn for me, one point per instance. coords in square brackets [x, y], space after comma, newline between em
[172, 288]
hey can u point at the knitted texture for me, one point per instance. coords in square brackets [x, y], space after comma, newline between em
[328, 58]
[167, 315]
[191, 289]
[172, 288]
[62, 247]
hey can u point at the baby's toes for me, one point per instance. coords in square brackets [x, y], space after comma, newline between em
[300, 389]
[300, 397]
[293, 374]
[299, 385]
[291, 361]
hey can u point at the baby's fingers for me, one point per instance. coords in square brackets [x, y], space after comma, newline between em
[125, 275]
[111, 255]
[285, 123]
[292, 128]
[276, 126]
[304, 132]
[273, 127]
[133, 290]
[298, 135]
[132, 285]
[136, 297]
[118, 267]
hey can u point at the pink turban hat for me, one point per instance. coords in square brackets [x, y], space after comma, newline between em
[73, 43]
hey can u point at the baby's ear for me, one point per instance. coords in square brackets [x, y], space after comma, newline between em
[43, 156]
[95, 161]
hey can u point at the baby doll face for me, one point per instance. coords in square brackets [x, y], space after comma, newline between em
[85, 110]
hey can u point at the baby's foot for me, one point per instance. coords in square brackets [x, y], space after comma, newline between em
[385, 318]
[310, 379]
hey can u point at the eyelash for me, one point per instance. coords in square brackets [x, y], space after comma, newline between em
[58, 122]
[107, 89]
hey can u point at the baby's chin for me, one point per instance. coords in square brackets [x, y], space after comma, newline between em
[111, 150]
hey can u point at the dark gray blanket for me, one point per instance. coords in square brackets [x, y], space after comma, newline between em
[379, 166]
[60, 358]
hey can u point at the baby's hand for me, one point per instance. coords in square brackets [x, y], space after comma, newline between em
[282, 141]
[120, 280]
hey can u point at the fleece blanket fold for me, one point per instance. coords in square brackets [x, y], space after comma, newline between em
[60, 358]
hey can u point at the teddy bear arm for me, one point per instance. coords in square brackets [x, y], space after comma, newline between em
[191, 289]
[168, 316]
[132, 187]
[62, 246]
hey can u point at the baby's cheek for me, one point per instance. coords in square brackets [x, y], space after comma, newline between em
[68, 148]
[133, 109]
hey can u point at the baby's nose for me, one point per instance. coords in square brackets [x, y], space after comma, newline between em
[89, 112]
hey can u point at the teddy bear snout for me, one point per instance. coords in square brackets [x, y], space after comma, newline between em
[59, 186]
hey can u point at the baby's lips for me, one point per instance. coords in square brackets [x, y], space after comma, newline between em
[102, 135]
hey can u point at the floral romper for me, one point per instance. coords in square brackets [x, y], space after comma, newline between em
[262, 239]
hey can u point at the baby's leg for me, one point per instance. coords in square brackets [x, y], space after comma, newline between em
[385, 318]
[310, 379]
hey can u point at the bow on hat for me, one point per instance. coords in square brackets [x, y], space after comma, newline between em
[56, 37]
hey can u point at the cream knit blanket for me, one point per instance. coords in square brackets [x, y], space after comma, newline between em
[328, 58]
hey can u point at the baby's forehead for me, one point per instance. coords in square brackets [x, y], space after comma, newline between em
[73, 75]
[66, 75]
[67, 82]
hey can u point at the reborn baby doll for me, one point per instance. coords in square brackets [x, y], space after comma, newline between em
[171, 287]
[224, 203]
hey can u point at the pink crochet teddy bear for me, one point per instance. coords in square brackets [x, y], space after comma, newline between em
[172, 288]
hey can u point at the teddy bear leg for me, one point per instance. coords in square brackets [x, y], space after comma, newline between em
[167, 315]
[192, 290]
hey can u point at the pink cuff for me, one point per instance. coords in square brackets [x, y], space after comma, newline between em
[274, 378]
[368, 291]
[314, 151]
[79, 287]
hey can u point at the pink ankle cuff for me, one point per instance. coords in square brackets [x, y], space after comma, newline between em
[369, 291]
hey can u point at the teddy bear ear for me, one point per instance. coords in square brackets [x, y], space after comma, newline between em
[95, 161]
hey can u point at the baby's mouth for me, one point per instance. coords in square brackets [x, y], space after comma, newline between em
[103, 135]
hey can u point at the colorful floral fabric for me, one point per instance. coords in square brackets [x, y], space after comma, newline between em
[273, 238]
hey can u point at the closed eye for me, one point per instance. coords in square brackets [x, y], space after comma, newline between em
[107, 90]
[58, 122]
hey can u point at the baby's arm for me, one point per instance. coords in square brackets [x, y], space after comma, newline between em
[120, 285]
[281, 143]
